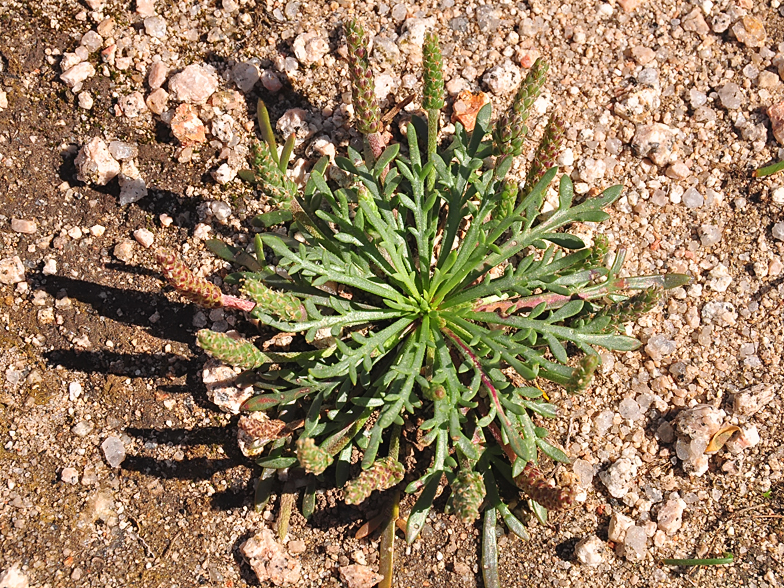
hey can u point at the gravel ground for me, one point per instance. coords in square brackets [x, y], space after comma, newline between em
[117, 470]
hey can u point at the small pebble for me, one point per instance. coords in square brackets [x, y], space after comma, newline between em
[69, 476]
[778, 231]
[11, 270]
[74, 391]
[195, 84]
[692, 198]
[635, 544]
[731, 96]
[709, 235]
[82, 428]
[132, 105]
[27, 227]
[113, 451]
[144, 237]
[590, 551]
[670, 516]
[85, 100]
[95, 164]
[156, 75]
[124, 250]
[155, 26]
[620, 476]
[503, 78]
[50, 267]
[310, 47]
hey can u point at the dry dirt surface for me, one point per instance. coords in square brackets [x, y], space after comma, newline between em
[97, 358]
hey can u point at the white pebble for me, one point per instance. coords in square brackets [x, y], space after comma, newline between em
[113, 451]
[85, 100]
[590, 551]
[50, 267]
[74, 391]
[11, 270]
[144, 237]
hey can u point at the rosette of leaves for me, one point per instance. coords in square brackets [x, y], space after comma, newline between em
[429, 301]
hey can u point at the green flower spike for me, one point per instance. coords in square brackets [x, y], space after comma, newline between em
[510, 130]
[367, 112]
[311, 457]
[280, 304]
[583, 374]
[383, 474]
[468, 493]
[432, 74]
[236, 352]
[546, 153]
[273, 182]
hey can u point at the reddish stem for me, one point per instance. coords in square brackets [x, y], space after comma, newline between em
[228, 301]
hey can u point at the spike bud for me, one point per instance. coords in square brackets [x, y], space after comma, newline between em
[235, 352]
[280, 304]
[532, 481]
[189, 285]
[311, 457]
[383, 474]
[468, 493]
[363, 91]
[510, 130]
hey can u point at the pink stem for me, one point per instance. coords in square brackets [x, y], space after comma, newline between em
[485, 380]
[228, 301]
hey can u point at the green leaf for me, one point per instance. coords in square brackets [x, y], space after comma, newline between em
[565, 240]
[285, 155]
[269, 219]
[529, 437]
[266, 129]
[552, 452]
[539, 511]
[277, 462]
[247, 176]
[221, 249]
[309, 500]
[421, 508]
[385, 159]
[490, 550]
[545, 409]
[266, 401]
[565, 193]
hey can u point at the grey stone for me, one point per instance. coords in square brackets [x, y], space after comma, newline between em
[731, 96]
[113, 451]
[709, 235]
[503, 78]
[245, 75]
[655, 141]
